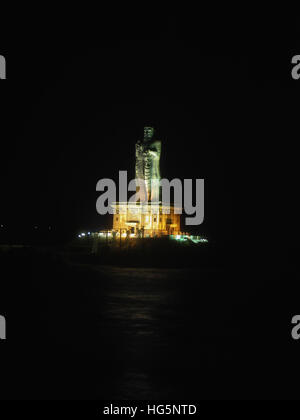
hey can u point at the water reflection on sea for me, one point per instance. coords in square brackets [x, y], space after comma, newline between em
[101, 332]
[85, 331]
[158, 333]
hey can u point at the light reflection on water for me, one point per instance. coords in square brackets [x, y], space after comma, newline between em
[159, 325]
[152, 333]
[134, 333]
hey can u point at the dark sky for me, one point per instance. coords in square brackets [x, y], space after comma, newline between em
[72, 112]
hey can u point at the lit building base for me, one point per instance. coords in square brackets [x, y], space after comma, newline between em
[145, 220]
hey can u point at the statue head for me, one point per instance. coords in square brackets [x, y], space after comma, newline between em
[148, 133]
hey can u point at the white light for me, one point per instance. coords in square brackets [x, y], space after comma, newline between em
[89, 233]
[79, 236]
[83, 234]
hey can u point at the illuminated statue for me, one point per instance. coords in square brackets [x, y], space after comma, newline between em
[147, 154]
[152, 218]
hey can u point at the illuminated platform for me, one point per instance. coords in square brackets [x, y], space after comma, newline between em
[146, 220]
